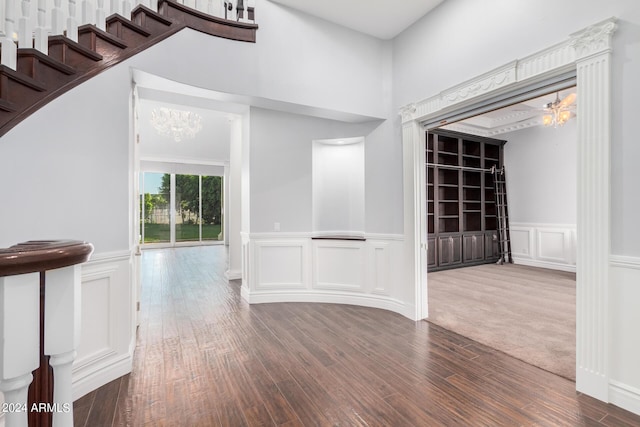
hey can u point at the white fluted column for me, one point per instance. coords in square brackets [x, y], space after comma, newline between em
[19, 342]
[593, 65]
[61, 336]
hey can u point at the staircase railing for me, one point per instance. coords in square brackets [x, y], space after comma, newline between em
[39, 330]
[29, 23]
[52, 64]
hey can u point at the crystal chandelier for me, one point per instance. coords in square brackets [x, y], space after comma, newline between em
[558, 111]
[176, 124]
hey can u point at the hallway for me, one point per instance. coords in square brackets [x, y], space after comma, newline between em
[205, 358]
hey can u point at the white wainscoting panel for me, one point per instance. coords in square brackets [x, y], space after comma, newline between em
[108, 322]
[280, 264]
[544, 245]
[380, 259]
[624, 294]
[293, 267]
[522, 242]
[339, 265]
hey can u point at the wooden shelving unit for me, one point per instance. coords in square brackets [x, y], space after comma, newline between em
[461, 213]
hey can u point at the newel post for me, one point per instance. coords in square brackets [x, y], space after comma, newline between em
[40, 304]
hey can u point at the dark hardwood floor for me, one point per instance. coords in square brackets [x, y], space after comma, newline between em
[206, 358]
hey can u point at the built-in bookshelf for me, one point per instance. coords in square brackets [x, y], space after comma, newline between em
[461, 212]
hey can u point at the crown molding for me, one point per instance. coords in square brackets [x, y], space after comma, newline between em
[590, 41]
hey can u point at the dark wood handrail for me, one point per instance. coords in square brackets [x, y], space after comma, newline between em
[42, 255]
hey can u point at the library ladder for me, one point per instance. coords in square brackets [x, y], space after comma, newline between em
[502, 214]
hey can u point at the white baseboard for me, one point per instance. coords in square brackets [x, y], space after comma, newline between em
[233, 274]
[317, 296]
[544, 264]
[98, 376]
[624, 396]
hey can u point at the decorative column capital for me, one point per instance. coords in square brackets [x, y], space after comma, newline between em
[408, 112]
[594, 39]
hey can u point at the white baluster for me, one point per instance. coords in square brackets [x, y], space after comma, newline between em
[230, 9]
[250, 4]
[62, 335]
[201, 5]
[101, 16]
[57, 18]
[41, 38]
[126, 9]
[72, 22]
[19, 342]
[88, 12]
[221, 8]
[115, 6]
[9, 48]
[25, 26]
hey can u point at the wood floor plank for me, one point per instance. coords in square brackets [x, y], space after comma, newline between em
[204, 357]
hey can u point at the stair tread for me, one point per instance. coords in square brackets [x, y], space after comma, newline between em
[53, 40]
[52, 62]
[149, 12]
[128, 24]
[7, 106]
[114, 40]
[22, 79]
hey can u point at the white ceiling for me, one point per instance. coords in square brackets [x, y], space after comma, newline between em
[383, 19]
[509, 119]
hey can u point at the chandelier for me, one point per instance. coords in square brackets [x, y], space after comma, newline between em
[558, 111]
[176, 124]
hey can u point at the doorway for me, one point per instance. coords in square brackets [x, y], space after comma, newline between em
[526, 310]
[181, 209]
[588, 60]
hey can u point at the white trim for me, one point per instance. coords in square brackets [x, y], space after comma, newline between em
[308, 235]
[586, 53]
[233, 274]
[625, 261]
[109, 257]
[544, 264]
[624, 396]
[328, 296]
[185, 161]
[101, 374]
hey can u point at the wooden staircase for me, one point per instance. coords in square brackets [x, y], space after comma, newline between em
[40, 78]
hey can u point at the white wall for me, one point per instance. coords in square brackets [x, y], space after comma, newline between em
[541, 174]
[281, 171]
[67, 172]
[542, 188]
[435, 55]
[211, 144]
[464, 38]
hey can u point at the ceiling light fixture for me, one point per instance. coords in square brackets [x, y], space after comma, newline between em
[559, 111]
[176, 124]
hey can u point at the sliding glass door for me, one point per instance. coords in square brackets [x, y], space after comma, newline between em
[179, 208]
[155, 214]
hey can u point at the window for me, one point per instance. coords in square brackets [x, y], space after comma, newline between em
[179, 208]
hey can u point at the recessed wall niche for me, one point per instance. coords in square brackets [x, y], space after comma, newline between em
[338, 187]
